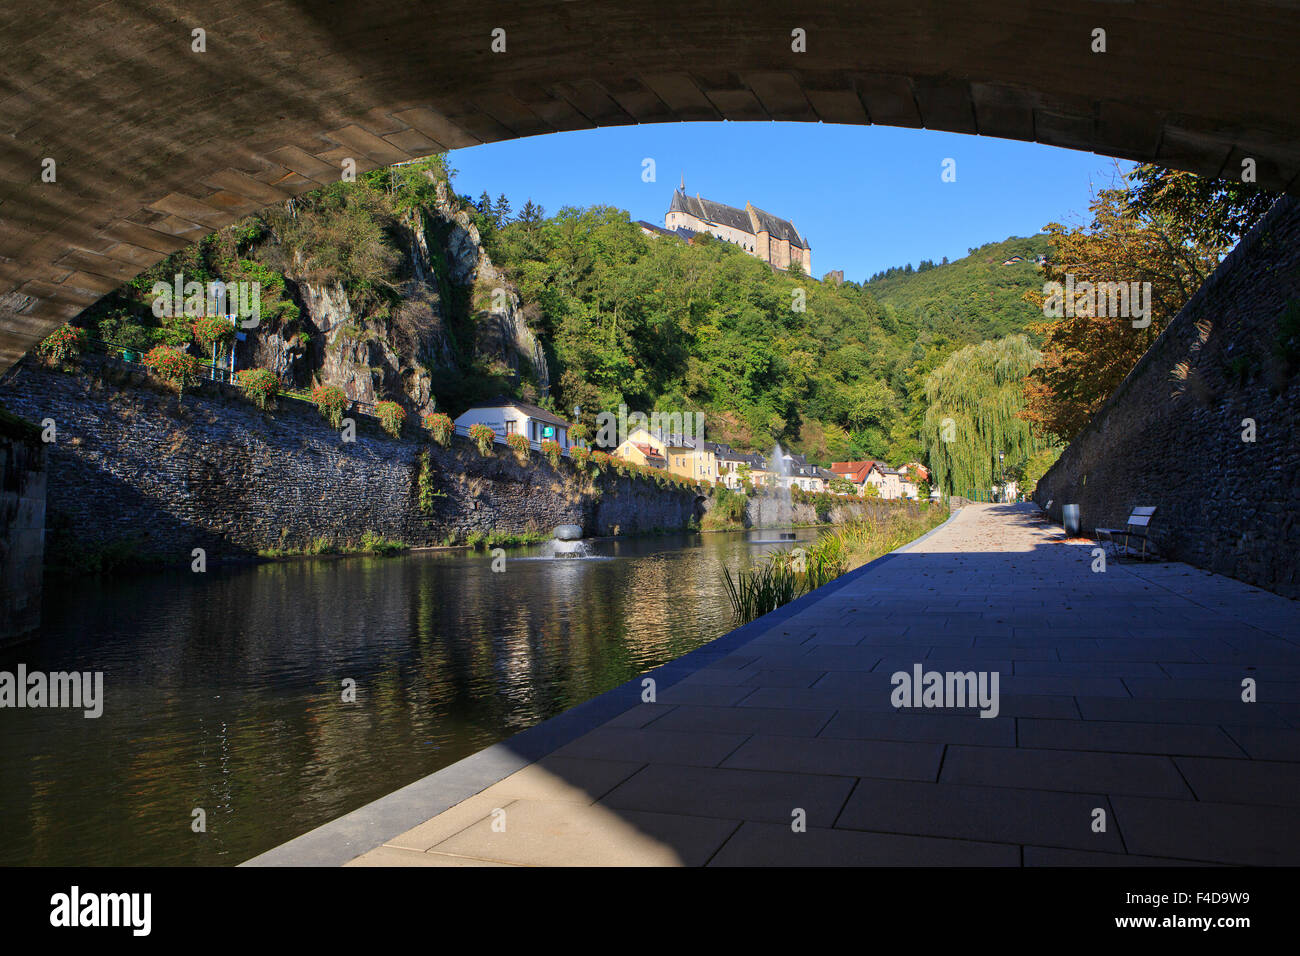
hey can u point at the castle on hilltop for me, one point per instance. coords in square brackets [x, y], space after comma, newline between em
[764, 236]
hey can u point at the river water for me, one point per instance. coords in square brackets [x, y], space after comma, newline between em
[224, 691]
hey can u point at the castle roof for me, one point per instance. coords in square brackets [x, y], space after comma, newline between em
[778, 228]
[724, 215]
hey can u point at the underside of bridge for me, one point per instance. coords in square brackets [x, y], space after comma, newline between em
[155, 143]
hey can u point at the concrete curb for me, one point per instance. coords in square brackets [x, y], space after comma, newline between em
[348, 836]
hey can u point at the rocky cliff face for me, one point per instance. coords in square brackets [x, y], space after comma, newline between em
[456, 316]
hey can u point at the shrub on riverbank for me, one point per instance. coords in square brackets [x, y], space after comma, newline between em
[788, 574]
[727, 512]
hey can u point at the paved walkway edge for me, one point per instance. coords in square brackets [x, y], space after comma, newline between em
[349, 836]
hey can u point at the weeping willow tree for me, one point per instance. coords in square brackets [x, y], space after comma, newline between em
[974, 403]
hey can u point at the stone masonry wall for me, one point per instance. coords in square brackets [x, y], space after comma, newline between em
[1172, 434]
[22, 525]
[135, 466]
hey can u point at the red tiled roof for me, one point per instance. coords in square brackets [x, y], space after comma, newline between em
[647, 450]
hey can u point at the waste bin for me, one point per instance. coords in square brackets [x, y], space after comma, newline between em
[1070, 519]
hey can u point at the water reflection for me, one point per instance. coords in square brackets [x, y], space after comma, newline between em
[224, 691]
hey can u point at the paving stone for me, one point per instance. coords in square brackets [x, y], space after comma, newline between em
[774, 844]
[1214, 832]
[541, 833]
[566, 779]
[1228, 689]
[905, 760]
[396, 856]
[719, 694]
[1120, 669]
[792, 677]
[1162, 711]
[662, 744]
[1122, 737]
[1081, 771]
[1255, 782]
[933, 727]
[1267, 743]
[640, 715]
[1055, 856]
[732, 794]
[745, 720]
[446, 824]
[989, 814]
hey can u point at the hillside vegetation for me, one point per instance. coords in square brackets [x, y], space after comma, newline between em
[393, 287]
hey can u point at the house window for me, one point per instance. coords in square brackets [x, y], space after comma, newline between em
[512, 426]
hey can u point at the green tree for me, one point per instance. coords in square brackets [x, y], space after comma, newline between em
[975, 400]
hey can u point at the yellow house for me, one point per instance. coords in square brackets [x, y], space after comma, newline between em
[692, 458]
[642, 448]
[677, 453]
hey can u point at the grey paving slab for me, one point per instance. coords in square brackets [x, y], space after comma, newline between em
[790, 677]
[1165, 711]
[746, 720]
[1121, 737]
[933, 727]
[732, 794]
[1267, 743]
[1080, 771]
[660, 744]
[848, 757]
[773, 844]
[1056, 856]
[990, 814]
[1255, 782]
[719, 694]
[1213, 832]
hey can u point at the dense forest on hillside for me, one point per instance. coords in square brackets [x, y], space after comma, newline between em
[973, 298]
[659, 324]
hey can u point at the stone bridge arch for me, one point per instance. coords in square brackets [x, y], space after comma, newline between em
[154, 144]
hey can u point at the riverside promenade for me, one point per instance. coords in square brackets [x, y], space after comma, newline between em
[1121, 735]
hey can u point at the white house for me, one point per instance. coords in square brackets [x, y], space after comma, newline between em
[506, 416]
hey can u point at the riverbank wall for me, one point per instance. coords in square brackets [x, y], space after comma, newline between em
[137, 472]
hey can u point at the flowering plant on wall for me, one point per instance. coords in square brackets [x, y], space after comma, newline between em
[483, 436]
[65, 342]
[440, 426]
[261, 385]
[172, 365]
[391, 416]
[331, 402]
[519, 445]
[551, 449]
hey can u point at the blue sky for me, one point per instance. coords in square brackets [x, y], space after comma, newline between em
[866, 197]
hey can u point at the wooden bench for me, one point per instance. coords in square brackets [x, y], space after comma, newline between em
[1138, 523]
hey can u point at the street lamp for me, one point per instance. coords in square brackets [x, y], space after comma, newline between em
[1002, 472]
